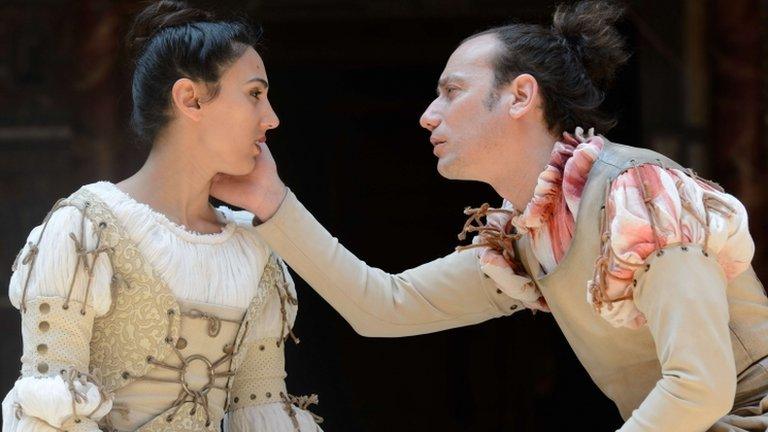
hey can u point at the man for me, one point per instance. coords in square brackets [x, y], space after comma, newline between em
[645, 266]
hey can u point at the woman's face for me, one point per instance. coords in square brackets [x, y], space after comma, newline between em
[239, 116]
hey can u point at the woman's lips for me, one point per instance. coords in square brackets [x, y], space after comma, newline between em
[257, 145]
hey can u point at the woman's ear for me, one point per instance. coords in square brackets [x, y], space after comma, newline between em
[186, 96]
[524, 91]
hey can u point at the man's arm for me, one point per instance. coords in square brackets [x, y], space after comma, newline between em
[683, 296]
[445, 293]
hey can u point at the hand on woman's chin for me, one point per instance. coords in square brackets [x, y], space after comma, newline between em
[260, 190]
[241, 167]
[233, 189]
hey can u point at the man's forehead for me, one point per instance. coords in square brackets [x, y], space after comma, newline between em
[471, 57]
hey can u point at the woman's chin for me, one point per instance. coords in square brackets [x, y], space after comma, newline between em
[241, 169]
[249, 169]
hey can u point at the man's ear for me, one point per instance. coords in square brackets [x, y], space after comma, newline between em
[186, 96]
[524, 93]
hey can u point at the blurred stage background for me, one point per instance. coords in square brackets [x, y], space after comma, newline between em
[349, 80]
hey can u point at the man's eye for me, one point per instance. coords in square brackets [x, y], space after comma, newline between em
[451, 90]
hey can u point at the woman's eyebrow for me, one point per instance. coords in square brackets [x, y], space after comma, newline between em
[258, 79]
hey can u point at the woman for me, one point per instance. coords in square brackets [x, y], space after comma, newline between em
[644, 265]
[142, 306]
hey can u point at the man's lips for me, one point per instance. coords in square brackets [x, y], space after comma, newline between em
[437, 145]
[436, 141]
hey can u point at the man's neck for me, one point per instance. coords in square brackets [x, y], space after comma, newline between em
[518, 185]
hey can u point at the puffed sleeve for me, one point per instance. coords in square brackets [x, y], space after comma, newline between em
[60, 283]
[671, 244]
[649, 208]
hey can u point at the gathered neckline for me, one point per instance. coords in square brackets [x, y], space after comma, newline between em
[180, 230]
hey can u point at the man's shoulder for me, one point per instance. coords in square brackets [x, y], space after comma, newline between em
[623, 157]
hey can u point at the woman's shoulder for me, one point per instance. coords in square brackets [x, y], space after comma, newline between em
[65, 214]
[56, 245]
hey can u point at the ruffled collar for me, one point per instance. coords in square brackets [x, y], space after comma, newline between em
[559, 187]
[549, 218]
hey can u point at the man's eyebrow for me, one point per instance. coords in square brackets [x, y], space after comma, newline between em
[444, 81]
[258, 79]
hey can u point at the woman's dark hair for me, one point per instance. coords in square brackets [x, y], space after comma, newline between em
[574, 62]
[171, 40]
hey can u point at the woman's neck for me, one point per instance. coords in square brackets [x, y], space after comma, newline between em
[175, 184]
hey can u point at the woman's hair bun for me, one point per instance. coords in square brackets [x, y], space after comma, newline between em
[160, 15]
[588, 27]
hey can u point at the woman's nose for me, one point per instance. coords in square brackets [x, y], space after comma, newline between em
[271, 120]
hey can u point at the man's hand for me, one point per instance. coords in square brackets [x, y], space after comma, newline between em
[259, 192]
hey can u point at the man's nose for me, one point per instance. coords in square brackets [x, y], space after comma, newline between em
[429, 120]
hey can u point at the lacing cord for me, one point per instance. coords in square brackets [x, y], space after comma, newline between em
[302, 402]
[495, 238]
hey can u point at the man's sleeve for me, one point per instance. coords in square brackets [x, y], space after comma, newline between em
[448, 292]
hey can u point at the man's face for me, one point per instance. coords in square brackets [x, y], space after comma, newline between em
[466, 120]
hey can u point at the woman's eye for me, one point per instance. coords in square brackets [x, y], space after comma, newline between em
[256, 94]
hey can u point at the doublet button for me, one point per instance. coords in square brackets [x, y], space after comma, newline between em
[42, 367]
[181, 343]
[45, 308]
[42, 348]
[44, 326]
